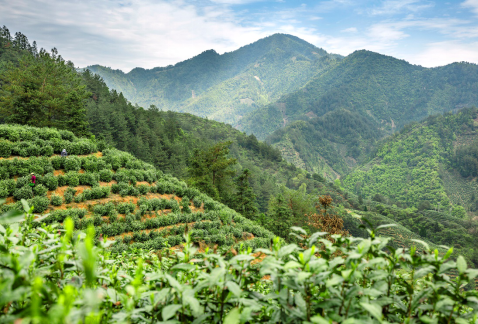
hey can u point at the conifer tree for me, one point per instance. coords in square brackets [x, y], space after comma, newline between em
[245, 199]
[43, 91]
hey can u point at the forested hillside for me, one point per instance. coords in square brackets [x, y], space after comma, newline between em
[224, 87]
[357, 102]
[388, 91]
[431, 162]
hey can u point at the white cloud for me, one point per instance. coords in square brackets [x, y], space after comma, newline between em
[442, 53]
[349, 30]
[390, 7]
[144, 33]
[472, 4]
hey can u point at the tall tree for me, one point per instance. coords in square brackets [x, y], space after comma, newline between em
[44, 91]
[245, 199]
[211, 171]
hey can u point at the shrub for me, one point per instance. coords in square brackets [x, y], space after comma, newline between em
[67, 135]
[197, 202]
[143, 189]
[46, 150]
[61, 180]
[101, 145]
[58, 162]
[124, 208]
[88, 179]
[122, 176]
[90, 164]
[72, 163]
[32, 149]
[72, 179]
[106, 175]
[56, 200]
[50, 181]
[40, 204]
[7, 187]
[23, 181]
[79, 198]
[97, 193]
[105, 209]
[68, 197]
[82, 147]
[47, 133]
[5, 148]
[23, 193]
[40, 190]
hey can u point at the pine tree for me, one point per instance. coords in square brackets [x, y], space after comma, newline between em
[245, 199]
[210, 170]
[43, 91]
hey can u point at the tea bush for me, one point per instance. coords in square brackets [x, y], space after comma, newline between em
[352, 280]
[106, 175]
[50, 181]
[72, 163]
[40, 204]
[23, 193]
[72, 179]
[40, 190]
[88, 179]
[56, 200]
[46, 150]
[5, 148]
[124, 208]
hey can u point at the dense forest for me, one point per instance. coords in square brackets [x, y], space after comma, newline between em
[422, 164]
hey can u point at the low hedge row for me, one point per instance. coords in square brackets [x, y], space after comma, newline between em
[15, 133]
[134, 171]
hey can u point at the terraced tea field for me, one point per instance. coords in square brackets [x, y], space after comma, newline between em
[125, 199]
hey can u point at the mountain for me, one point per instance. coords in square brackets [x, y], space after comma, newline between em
[432, 162]
[376, 92]
[224, 87]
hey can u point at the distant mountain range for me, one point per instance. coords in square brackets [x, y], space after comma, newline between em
[228, 86]
[323, 111]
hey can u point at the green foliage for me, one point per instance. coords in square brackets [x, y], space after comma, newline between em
[40, 190]
[44, 90]
[72, 163]
[408, 166]
[39, 203]
[72, 179]
[50, 181]
[5, 148]
[106, 175]
[56, 200]
[211, 171]
[364, 283]
[25, 192]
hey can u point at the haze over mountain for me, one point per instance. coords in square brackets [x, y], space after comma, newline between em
[343, 105]
[224, 87]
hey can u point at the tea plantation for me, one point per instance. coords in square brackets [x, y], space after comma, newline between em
[125, 199]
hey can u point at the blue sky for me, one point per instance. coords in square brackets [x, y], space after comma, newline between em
[149, 33]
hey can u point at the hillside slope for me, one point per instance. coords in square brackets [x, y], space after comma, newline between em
[388, 91]
[380, 94]
[224, 87]
[124, 198]
[423, 162]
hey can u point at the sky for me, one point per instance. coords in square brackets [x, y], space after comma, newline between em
[150, 33]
